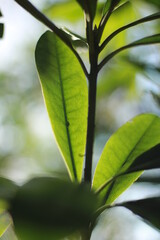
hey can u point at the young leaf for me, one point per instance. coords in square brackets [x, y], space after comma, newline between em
[52, 208]
[130, 141]
[154, 39]
[89, 6]
[110, 5]
[148, 209]
[66, 96]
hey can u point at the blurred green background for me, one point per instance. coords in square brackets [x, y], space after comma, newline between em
[128, 86]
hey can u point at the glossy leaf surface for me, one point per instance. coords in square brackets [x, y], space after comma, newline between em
[66, 96]
[52, 207]
[130, 141]
[148, 209]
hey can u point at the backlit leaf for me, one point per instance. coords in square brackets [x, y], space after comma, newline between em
[130, 141]
[65, 92]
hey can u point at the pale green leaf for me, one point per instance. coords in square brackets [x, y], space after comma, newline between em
[5, 223]
[65, 92]
[130, 141]
[67, 10]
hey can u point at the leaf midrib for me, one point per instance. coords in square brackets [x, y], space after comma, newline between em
[65, 112]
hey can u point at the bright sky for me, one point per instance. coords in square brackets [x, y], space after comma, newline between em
[20, 27]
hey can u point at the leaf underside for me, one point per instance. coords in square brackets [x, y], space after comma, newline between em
[66, 97]
[148, 209]
[130, 141]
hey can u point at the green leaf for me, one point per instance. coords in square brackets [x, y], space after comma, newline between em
[130, 141]
[121, 29]
[156, 3]
[67, 10]
[1, 30]
[147, 160]
[89, 6]
[148, 209]
[154, 39]
[110, 5]
[66, 96]
[150, 180]
[5, 223]
[7, 189]
[52, 208]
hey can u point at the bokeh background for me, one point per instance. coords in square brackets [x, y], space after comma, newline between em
[128, 86]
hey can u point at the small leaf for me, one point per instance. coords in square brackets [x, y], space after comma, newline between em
[52, 208]
[110, 5]
[147, 160]
[89, 6]
[148, 209]
[65, 92]
[130, 141]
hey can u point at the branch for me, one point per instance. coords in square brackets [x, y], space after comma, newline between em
[142, 20]
[29, 7]
[154, 39]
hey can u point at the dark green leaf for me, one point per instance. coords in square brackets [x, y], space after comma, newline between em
[130, 141]
[52, 207]
[110, 5]
[1, 30]
[66, 96]
[147, 160]
[7, 189]
[154, 2]
[89, 6]
[152, 180]
[148, 209]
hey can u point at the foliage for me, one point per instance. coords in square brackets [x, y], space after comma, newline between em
[57, 207]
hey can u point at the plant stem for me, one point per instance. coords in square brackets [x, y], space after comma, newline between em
[92, 78]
